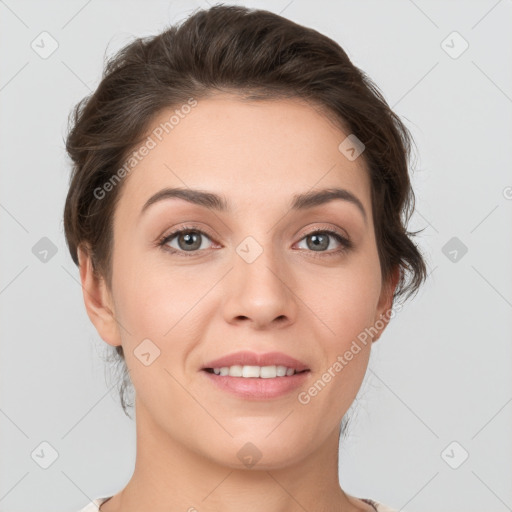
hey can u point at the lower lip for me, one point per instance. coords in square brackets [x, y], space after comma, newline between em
[258, 388]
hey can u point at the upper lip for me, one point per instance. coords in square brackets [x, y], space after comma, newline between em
[245, 358]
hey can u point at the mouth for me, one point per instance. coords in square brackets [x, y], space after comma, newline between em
[256, 376]
[255, 372]
[256, 383]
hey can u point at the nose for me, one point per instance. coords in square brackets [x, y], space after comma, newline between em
[260, 293]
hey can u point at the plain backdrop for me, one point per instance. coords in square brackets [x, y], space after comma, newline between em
[431, 425]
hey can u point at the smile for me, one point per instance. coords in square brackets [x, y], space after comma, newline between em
[248, 371]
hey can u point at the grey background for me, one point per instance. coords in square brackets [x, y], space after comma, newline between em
[441, 371]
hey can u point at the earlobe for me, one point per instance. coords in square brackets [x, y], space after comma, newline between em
[383, 313]
[97, 299]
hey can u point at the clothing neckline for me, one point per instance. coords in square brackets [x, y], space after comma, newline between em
[101, 501]
[370, 502]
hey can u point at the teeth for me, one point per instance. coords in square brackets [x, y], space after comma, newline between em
[281, 371]
[263, 372]
[251, 371]
[235, 371]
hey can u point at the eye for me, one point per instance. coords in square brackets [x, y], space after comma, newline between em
[188, 240]
[319, 241]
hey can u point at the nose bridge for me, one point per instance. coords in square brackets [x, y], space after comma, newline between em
[258, 289]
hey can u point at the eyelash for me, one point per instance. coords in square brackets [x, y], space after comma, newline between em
[346, 244]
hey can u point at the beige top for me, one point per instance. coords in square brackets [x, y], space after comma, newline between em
[379, 507]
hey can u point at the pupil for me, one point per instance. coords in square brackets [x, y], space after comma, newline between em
[190, 240]
[317, 241]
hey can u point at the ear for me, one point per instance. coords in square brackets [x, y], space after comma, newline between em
[382, 315]
[97, 299]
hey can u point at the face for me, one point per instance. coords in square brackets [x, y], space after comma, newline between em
[254, 277]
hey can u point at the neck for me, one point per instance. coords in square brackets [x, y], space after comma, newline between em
[170, 476]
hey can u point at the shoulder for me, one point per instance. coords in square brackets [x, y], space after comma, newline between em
[93, 506]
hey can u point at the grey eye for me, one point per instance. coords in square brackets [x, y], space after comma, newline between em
[187, 240]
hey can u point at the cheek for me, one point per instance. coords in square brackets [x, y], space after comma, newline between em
[150, 298]
[345, 309]
[160, 329]
[345, 301]
[164, 305]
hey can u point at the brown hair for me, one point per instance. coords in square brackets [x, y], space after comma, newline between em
[257, 55]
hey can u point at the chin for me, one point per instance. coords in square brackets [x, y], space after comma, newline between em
[253, 452]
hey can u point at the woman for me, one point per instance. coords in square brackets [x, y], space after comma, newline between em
[238, 210]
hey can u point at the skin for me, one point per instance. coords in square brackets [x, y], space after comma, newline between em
[257, 155]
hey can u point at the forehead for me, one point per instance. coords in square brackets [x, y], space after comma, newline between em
[258, 152]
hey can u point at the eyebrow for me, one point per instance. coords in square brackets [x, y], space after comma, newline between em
[219, 203]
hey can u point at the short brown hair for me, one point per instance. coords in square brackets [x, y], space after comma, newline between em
[257, 55]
